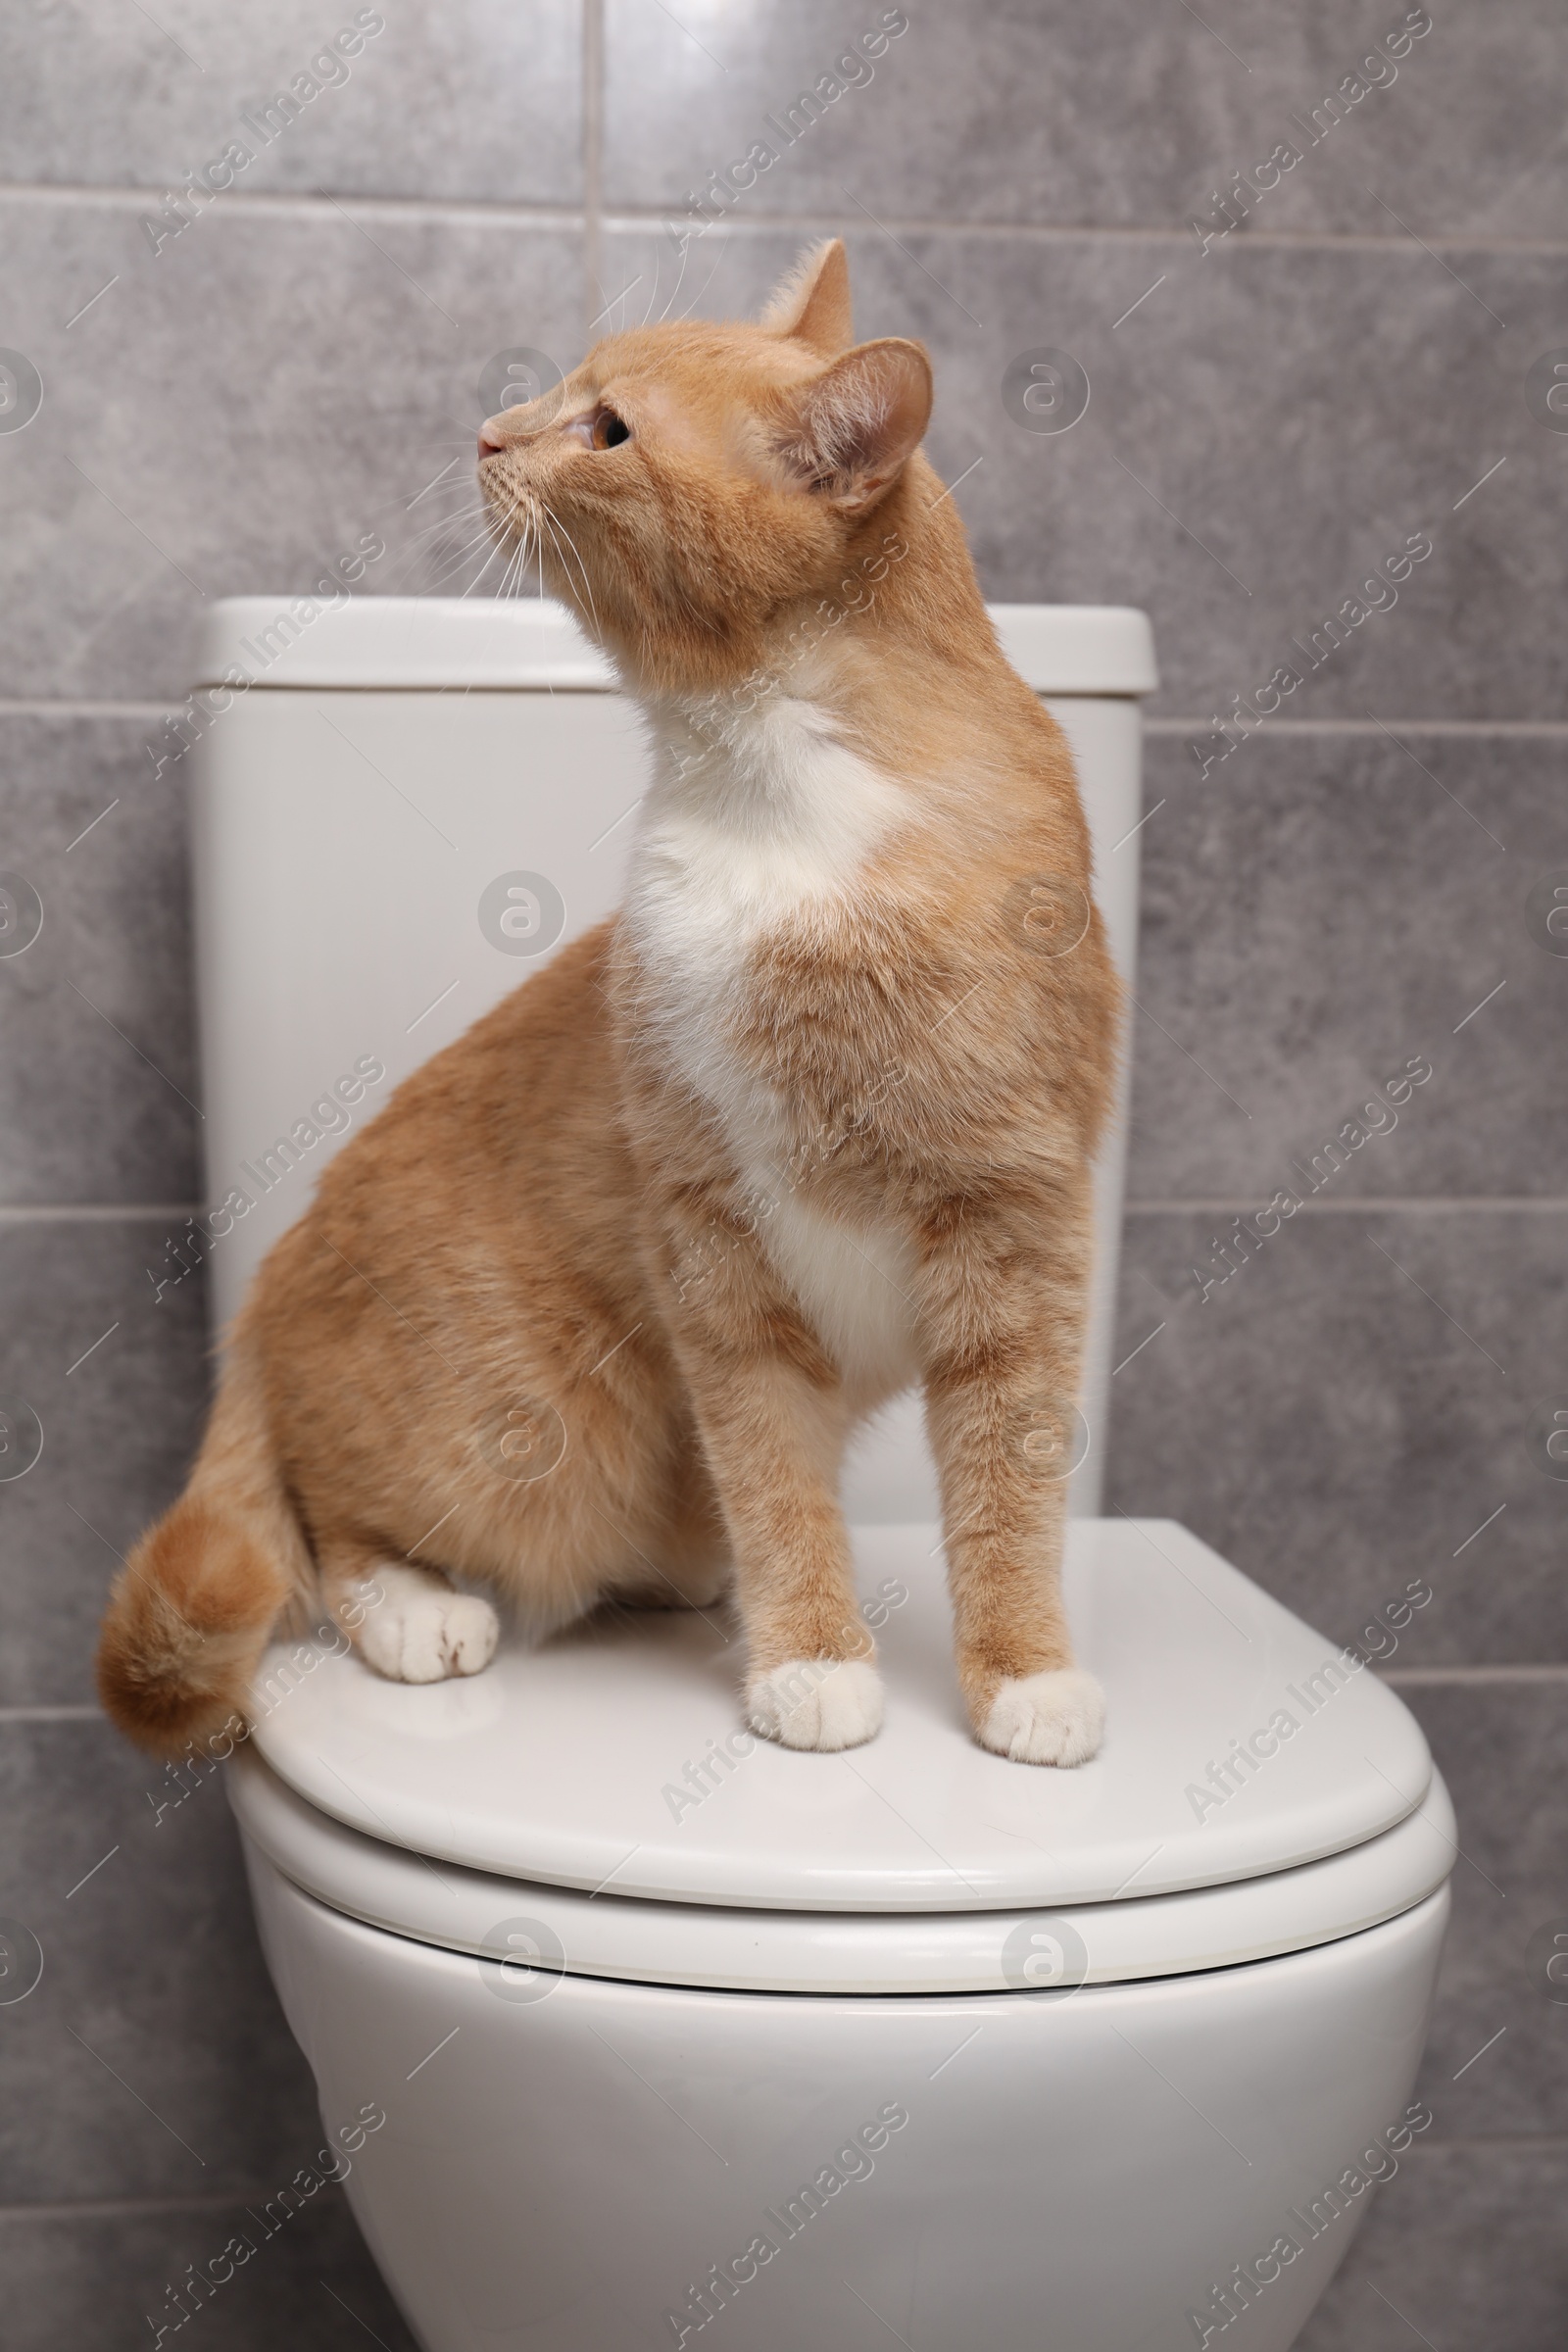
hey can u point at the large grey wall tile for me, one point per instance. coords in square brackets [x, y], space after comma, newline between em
[97, 1080]
[1497, 2062]
[1236, 472]
[95, 2281]
[299, 378]
[1343, 1413]
[1318, 912]
[1294, 486]
[152, 2058]
[119, 1430]
[478, 98]
[1234, 477]
[1465, 2247]
[1003, 110]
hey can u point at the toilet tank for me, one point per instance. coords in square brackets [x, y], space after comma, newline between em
[402, 805]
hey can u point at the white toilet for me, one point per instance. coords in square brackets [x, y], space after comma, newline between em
[629, 2028]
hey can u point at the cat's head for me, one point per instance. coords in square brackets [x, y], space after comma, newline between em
[689, 484]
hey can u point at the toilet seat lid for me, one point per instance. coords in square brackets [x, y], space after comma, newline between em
[612, 1758]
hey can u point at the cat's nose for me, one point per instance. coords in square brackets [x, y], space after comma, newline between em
[491, 439]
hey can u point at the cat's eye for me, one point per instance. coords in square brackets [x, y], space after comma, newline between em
[609, 430]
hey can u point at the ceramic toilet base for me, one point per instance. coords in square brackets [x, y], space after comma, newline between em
[576, 2164]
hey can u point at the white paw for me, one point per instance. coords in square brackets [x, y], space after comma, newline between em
[821, 1703]
[1052, 1718]
[420, 1631]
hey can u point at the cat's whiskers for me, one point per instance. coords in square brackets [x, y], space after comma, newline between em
[439, 483]
[519, 532]
[653, 291]
[458, 519]
[442, 546]
[451, 557]
[676, 287]
[517, 563]
[500, 543]
[708, 280]
[546, 528]
[558, 534]
[440, 581]
[508, 571]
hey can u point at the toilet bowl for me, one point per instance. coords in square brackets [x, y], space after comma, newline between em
[629, 2027]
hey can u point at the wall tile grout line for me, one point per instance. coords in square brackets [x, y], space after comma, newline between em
[108, 2208]
[76, 195]
[593, 119]
[109, 1212]
[1433, 1677]
[75, 706]
[502, 212]
[61, 1714]
[1525, 730]
[1359, 1204]
[759, 224]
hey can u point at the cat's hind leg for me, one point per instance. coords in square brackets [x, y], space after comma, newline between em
[408, 1622]
[687, 1563]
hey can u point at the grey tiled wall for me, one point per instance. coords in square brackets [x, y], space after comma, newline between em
[1344, 892]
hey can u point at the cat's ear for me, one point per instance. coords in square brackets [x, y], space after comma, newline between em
[852, 428]
[812, 302]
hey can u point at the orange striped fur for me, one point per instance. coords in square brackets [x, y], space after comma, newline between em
[592, 1309]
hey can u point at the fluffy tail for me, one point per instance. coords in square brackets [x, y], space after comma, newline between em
[190, 1614]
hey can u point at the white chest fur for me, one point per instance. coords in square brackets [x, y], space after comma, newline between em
[756, 821]
[759, 821]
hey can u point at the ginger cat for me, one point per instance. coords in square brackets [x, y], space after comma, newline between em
[592, 1307]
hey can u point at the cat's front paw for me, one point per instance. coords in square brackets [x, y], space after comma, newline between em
[820, 1704]
[1053, 1718]
[421, 1632]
